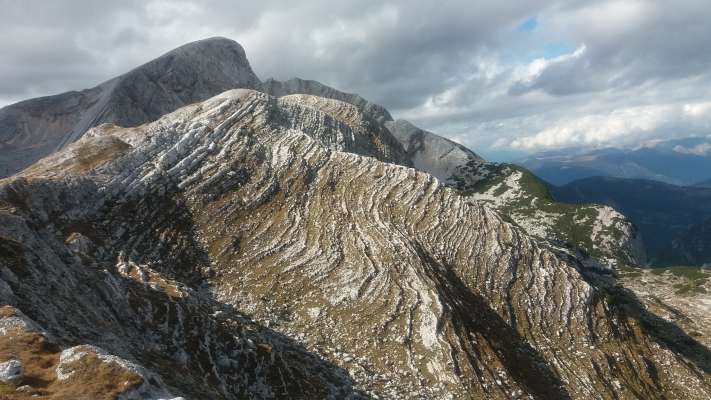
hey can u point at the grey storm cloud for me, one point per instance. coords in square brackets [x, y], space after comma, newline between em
[463, 69]
[628, 43]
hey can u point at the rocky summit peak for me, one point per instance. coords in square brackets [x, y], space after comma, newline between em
[210, 44]
[194, 72]
[32, 129]
[224, 60]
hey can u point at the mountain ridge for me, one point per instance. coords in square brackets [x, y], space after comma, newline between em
[683, 161]
[260, 202]
[426, 151]
[664, 213]
[296, 246]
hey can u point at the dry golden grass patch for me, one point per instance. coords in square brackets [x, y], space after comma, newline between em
[93, 378]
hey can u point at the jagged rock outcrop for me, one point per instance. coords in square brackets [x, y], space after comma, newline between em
[291, 212]
[76, 372]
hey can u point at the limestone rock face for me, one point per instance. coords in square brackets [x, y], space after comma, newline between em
[33, 129]
[78, 372]
[11, 371]
[254, 246]
[432, 153]
[302, 86]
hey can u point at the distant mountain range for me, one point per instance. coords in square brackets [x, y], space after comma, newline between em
[684, 161]
[663, 187]
[674, 220]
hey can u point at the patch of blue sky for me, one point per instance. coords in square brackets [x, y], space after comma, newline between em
[528, 45]
[524, 53]
[528, 25]
[556, 49]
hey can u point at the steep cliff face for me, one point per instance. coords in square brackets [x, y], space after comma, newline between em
[220, 239]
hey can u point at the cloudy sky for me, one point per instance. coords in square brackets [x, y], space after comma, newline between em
[505, 77]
